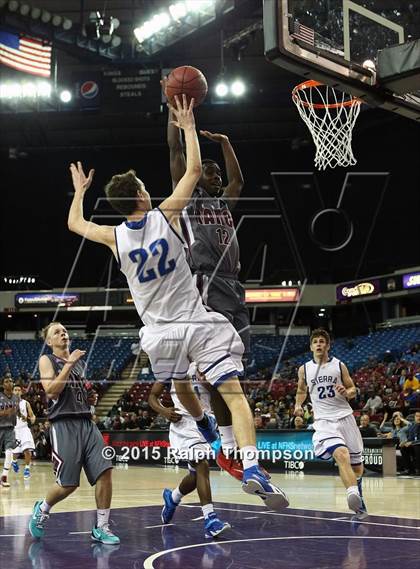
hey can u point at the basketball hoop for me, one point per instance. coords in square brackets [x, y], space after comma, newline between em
[330, 116]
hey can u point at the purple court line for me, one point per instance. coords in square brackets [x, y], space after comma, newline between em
[148, 563]
[349, 521]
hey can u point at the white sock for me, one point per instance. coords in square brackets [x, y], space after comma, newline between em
[7, 461]
[228, 439]
[45, 508]
[102, 517]
[199, 418]
[249, 456]
[177, 495]
[353, 490]
[207, 510]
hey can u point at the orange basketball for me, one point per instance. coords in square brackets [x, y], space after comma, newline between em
[189, 81]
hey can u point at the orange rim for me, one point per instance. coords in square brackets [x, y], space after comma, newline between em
[312, 83]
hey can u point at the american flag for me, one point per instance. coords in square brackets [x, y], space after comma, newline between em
[25, 53]
[303, 33]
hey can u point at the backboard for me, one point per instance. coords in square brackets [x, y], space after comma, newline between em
[331, 41]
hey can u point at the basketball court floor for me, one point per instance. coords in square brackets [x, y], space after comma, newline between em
[317, 530]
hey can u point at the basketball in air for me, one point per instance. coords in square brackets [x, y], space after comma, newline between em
[189, 81]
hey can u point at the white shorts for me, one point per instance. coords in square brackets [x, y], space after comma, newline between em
[187, 443]
[342, 432]
[24, 440]
[213, 344]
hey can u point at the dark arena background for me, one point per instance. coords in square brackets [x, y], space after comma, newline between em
[331, 244]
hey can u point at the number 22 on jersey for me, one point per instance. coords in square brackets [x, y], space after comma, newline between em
[158, 248]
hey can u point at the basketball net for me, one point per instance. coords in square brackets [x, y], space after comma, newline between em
[330, 116]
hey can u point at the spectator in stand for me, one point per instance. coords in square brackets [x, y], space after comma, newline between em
[299, 413]
[117, 424]
[283, 419]
[160, 422]
[144, 421]
[411, 448]
[410, 400]
[309, 416]
[399, 430]
[299, 423]
[366, 429]
[258, 420]
[393, 404]
[42, 441]
[107, 423]
[373, 404]
[411, 383]
[388, 387]
[403, 377]
[131, 424]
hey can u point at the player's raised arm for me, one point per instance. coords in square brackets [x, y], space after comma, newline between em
[348, 389]
[176, 148]
[76, 221]
[181, 195]
[302, 390]
[233, 170]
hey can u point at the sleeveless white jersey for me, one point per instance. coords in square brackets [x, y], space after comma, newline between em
[23, 411]
[321, 381]
[151, 255]
[202, 394]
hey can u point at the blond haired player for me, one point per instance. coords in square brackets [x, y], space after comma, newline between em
[336, 433]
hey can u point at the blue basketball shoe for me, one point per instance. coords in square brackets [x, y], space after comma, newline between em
[213, 526]
[256, 482]
[210, 431]
[15, 466]
[169, 508]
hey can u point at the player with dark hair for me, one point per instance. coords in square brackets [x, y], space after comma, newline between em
[188, 445]
[75, 439]
[336, 433]
[24, 439]
[213, 255]
[9, 408]
[178, 329]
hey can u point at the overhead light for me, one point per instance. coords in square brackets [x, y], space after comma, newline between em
[13, 5]
[116, 41]
[24, 9]
[65, 96]
[35, 12]
[237, 88]
[178, 10]
[57, 20]
[67, 24]
[176, 13]
[45, 16]
[221, 89]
